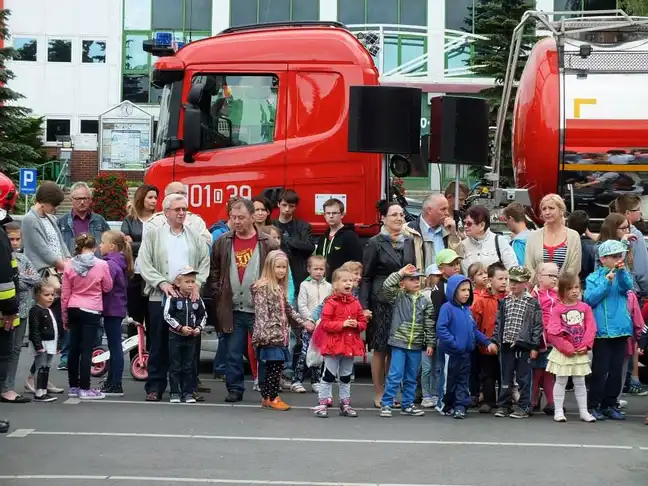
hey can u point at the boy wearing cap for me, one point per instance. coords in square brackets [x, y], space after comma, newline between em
[606, 292]
[517, 334]
[186, 320]
[412, 330]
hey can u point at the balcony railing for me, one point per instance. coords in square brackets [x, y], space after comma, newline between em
[404, 61]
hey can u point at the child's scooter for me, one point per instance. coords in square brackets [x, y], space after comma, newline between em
[138, 365]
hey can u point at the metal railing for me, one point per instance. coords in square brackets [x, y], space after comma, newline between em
[454, 41]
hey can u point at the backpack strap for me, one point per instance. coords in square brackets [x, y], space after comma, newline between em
[497, 248]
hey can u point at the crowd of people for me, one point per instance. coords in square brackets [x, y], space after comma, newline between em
[455, 315]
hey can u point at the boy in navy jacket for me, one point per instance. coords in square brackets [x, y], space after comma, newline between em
[458, 335]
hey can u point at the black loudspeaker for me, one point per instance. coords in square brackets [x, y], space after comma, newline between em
[385, 119]
[459, 131]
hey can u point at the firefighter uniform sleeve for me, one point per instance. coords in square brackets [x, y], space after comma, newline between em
[8, 277]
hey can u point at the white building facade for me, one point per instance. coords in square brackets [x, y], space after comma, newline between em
[79, 58]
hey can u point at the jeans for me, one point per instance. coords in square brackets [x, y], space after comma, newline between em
[112, 326]
[182, 351]
[237, 344]
[607, 368]
[457, 394]
[288, 364]
[158, 361]
[18, 337]
[220, 360]
[83, 328]
[516, 364]
[403, 369]
[431, 372]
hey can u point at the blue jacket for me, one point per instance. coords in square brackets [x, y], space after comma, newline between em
[219, 229]
[96, 228]
[456, 329]
[518, 243]
[609, 301]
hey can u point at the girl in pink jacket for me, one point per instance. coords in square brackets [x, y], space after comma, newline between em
[85, 279]
[547, 296]
[571, 332]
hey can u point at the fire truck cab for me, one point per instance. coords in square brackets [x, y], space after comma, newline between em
[257, 109]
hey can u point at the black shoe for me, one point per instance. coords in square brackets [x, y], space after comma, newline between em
[203, 389]
[45, 398]
[4, 426]
[112, 390]
[233, 397]
[198, 397]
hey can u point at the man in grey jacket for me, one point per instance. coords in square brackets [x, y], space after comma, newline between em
[165, 250]
[81, 219]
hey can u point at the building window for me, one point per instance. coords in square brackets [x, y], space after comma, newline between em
[583, 5]
[245, 12]
[403, 12]
[59, 50]
[186, 20]
[458, 15]
[93, 52]
[89, 126]
[25, 49]
[56, 128]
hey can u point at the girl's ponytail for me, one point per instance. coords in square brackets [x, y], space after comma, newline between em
[118, 239]
[84, 241]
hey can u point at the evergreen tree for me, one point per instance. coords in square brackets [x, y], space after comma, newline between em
[634, 7]
[497, 19]
[21, 143]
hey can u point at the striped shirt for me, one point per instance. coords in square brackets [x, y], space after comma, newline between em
[555, 254]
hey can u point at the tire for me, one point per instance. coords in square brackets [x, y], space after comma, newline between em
[99, 369]
[138, 368]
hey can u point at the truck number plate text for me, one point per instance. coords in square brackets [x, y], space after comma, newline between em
[207, 196]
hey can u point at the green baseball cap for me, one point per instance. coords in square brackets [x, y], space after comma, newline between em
[519, 274]
[446, 257]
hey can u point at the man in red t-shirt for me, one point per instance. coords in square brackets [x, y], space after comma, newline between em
[236, 263]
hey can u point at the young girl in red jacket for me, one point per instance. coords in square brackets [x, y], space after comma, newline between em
[338, 339]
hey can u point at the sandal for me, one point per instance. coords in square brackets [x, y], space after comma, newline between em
[18, 399]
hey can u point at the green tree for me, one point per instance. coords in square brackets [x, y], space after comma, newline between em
[21, 142]
[497, 19]
[634, 7]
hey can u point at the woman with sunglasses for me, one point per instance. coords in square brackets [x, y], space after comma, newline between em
[481, 244]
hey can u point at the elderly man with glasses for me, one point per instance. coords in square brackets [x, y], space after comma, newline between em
[166, 249]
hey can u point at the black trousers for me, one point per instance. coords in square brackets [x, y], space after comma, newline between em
[84, 327]
[490, 373]
[137, 306]
[515, 363]
[182, 379]
[158, 362]
[475, 371]
[607, 372]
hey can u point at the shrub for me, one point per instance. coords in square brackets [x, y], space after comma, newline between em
[110, 195]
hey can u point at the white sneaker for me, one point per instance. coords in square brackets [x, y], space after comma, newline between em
[256, 386]
[585, 416]
[286, 384]
[315, 387]
[52, 388]
[559, 417]
[428, 402]
[297, 388]
[623, 403]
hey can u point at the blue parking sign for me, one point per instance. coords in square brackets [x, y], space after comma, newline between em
[28, 181]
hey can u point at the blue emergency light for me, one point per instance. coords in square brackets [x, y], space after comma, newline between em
[164, 39]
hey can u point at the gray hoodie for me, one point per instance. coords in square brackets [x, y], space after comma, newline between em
[83, 263]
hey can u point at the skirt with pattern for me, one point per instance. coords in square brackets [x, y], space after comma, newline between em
[379, 327]
[561, 365]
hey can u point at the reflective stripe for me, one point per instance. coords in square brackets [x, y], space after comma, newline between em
[14, 263]
[7, 294]
[16, 322]
[7, 286]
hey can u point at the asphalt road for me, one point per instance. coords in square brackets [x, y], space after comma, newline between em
[126, 441]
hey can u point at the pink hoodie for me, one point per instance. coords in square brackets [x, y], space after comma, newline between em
[571, 327]
[84, 291]
[548, 299]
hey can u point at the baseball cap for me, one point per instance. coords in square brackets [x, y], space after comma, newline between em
[188, 270]
[611, 247]
[416, 274]
[432, 270]
[445, 257]
[519, 274]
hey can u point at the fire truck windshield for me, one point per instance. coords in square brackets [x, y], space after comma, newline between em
[160, 148]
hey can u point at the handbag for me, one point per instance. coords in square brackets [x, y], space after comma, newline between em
[52, 277]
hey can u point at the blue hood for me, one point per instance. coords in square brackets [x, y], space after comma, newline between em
[451, 288]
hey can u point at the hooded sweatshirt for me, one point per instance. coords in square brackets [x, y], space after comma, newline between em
[484, 310]
[344, 247]
[456, 329]
[114, 302]
[518, 243]
[219, 229]
[85, 280]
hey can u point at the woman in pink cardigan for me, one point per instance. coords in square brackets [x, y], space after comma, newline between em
[85, 279]
[554, 242]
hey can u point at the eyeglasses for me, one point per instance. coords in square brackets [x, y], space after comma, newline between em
[81, 199]
[624, 228]
[178, 210]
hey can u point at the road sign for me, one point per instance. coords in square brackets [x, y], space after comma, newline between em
[28, 181]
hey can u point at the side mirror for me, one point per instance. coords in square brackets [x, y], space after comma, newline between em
[192, 132]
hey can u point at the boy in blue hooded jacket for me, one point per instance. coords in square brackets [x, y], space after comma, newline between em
[458, 335]
[606, 292]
